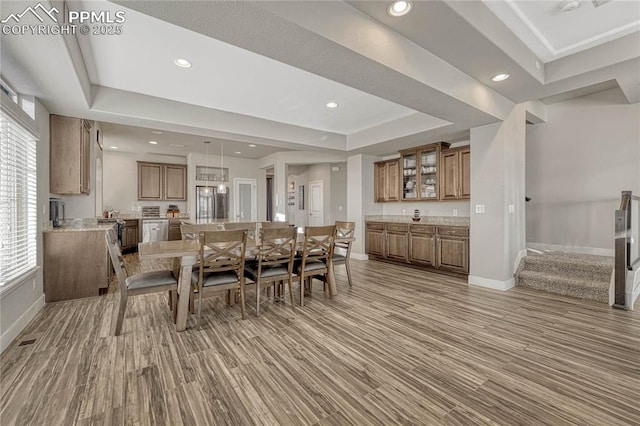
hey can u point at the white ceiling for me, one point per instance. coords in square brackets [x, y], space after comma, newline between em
[553, 33]
[263, 71]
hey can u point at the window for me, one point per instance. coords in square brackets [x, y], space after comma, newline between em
[18, 199]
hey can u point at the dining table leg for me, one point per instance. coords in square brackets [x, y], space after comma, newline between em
[184, 290]
[331, 281]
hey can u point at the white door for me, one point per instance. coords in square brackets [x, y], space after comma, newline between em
[245, 200]
[316, 201]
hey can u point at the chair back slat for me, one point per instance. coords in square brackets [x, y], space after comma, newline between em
[344, 230]
[277, 247]
[118, 262]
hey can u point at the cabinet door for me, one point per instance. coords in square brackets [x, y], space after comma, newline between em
[422, 249]
[465, 173]
[453, 253]
[85, 157]
[428, 171]
[381, 182]
[175, 183]
[410, 175]
[174, 232]
[149, 181]
[375, 242]
[393, 180]
[64, 156]
[130, 235]
[450, 175]
[397, 245]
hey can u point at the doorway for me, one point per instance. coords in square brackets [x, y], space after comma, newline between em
[269, 198]
[316, 203]
[245, 200]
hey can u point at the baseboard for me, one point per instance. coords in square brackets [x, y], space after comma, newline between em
[572, 249]
[522, 253]
[12, 332]
[359, 256]
[492, 284]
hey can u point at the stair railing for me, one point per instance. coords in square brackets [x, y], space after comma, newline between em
[627, 253]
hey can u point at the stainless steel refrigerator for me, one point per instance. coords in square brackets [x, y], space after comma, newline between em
[210, 204]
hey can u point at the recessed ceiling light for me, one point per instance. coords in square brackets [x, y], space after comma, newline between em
[570, 5]
[177, 145]
[153, 142]
[500, 77]
[238, 152]
[332, 105]
[183, 63]
[252, 146]
[156, 132]
[113, 147]
[399, 8]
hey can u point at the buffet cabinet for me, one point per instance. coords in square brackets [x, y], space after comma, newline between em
[433, 246]
[425, 173]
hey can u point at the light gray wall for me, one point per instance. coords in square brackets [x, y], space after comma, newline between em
[578, 162]
[296, 216]
[338, 193]
[120, 177]
[360, 201]
[20, 304]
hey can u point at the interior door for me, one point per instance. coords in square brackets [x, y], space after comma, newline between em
[245, 200]
[316, 203]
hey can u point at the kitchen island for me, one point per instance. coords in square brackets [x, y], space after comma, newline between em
[76, 261]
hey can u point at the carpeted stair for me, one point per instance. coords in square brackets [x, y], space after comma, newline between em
[571, 274]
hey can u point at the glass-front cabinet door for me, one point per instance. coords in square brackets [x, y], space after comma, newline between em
[428, 174]
[410, 167]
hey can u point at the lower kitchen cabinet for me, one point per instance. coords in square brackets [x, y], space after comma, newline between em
[438, 247]
[76, 264]
[174, 229]
[130, 234]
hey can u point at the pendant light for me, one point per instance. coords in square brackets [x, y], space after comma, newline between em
[207, 189]
[222, 188]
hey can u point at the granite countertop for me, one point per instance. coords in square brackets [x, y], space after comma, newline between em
[424, 220]
[133, 216]
[81, 225]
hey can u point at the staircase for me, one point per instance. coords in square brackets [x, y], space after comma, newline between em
[571, 274]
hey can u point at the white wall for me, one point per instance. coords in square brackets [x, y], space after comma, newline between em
[338, 208]
[20, 303]
[120, 176]
[360, 201]
[578, 162]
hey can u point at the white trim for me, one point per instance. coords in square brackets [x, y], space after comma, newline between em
[8, 288]
[492, 284]
[522, 253]
[14, 111]
[359, 256]
[632, 296]
[572, 249]
[21, 323]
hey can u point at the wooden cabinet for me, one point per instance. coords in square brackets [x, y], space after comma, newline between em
[174, 229]
[387, 180]
[157, 181]
[70, 155]
[130, 234]
[422, 244]
[452, 249]
[397, 241]
[375, 238]
[438, 247]
[75, 264]
[455, 174]
[420, 177]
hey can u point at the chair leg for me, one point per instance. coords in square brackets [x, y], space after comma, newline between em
[199, 308]
[291, 297]
[302, 283]
[257, 298]
[121, 311]
[346, 264]
[192, 301]
[242, 301]
[173, 296]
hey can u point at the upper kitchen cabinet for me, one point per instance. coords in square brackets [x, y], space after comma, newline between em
[157, 181]
[70, 158]
[455, 174]
[420, 172]
[387, 180]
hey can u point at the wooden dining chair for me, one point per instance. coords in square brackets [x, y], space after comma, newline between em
[275, 261]
[345, 232]
[316, 257]
[221, 268]
[192, 231]
[271, 225]
[251, 228]
[143, 283]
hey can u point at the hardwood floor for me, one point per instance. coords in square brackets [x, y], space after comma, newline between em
[400, 347]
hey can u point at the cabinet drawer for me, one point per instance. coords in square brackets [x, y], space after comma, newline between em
[397, 227]
[457, 231]
[423, 229]
[375, 225]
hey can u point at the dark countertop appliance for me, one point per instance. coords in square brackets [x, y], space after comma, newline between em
[56, 211]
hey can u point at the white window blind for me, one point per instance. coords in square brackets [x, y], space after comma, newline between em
[18, 199]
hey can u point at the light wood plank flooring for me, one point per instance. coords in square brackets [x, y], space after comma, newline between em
[401, 347]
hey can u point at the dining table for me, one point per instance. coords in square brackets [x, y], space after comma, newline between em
[186, 254]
